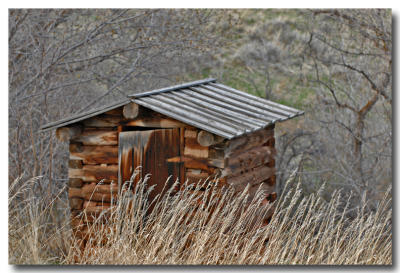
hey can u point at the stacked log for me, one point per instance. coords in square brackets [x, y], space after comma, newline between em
[93, 162]
[244, 160]
[250, 160]
[201, 158]
[93, 172]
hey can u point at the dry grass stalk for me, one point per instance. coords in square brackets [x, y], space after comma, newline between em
[182, 230]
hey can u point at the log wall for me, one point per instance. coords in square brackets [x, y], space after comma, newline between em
[250, 160]
[201, 162]
[93, 163]
[93, 170]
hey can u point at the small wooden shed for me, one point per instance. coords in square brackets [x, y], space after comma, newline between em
[189, 131]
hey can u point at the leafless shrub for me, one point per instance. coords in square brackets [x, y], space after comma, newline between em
[350, 52]
[64, 61]
[335, 65]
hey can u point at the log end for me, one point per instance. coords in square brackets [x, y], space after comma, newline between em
[64, 134]
[205, 138]
[130, 111]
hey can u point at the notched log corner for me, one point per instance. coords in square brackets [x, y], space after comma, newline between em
[65, 134]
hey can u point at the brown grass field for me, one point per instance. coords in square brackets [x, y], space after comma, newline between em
[303, 230]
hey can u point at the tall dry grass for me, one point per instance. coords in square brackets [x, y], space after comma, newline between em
[303, 230]
[38, 224]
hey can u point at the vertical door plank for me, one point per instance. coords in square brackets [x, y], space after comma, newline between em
[164, 144]
[150, 150]
[130, 152]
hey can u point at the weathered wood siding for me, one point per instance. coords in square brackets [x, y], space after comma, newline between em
[201, 162]
[151, 150]
[250, 160]
[95, 155]
[100, 153]
[93, 170]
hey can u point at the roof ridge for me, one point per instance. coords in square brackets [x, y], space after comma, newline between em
[171, 88]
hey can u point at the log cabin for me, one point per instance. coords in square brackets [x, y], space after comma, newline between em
[190, 132]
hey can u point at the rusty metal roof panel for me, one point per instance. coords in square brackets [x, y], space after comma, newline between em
[217, 108]
[207, 105]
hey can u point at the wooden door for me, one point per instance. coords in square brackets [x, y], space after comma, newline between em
[150, 150]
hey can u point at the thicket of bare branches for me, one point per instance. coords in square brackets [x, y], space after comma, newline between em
[335, 65]
[351, 57]
[66, 61]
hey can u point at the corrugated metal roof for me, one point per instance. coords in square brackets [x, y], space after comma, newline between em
[207, 105]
